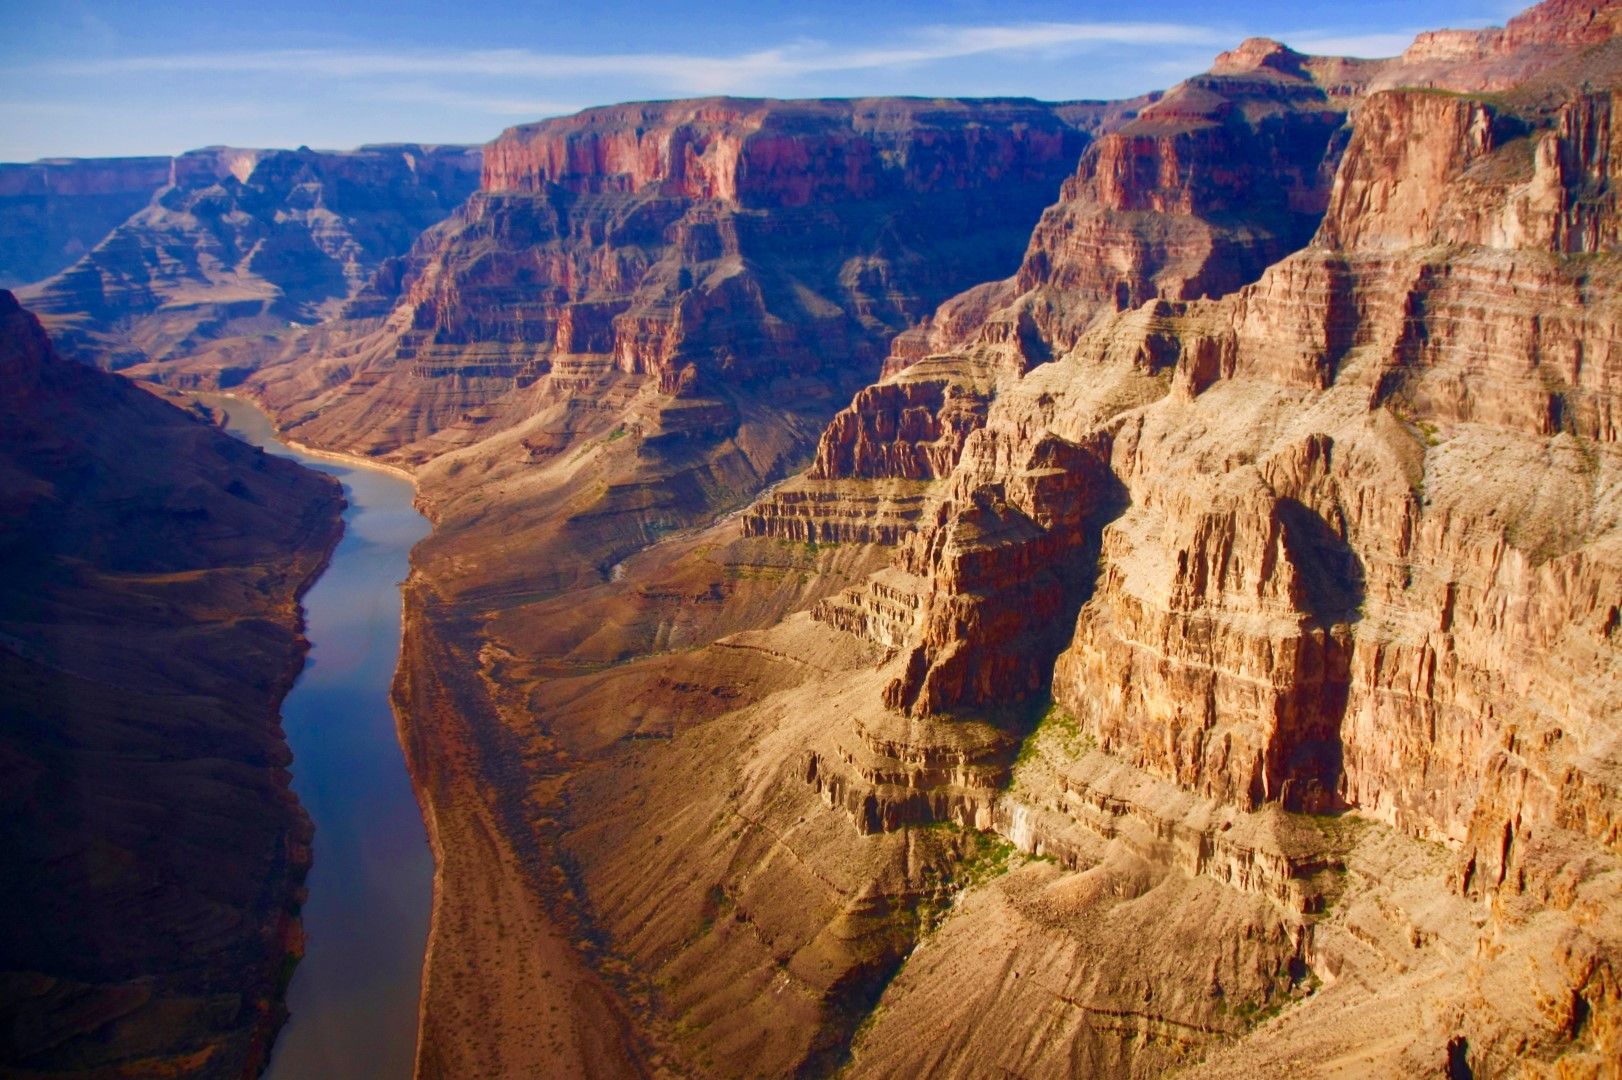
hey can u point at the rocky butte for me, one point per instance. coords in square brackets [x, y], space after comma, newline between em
[951, 588]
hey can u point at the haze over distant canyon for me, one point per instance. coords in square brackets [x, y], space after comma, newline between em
[917, 586]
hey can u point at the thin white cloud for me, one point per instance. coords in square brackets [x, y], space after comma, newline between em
[87, 110]
[679, 71]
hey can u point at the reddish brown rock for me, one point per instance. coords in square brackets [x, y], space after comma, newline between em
[707, 248]
[1358, 492]
[1319, 557]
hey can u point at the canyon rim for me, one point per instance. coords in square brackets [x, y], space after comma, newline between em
[918, 586]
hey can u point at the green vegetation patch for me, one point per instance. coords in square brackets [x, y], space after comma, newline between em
[1061, 731]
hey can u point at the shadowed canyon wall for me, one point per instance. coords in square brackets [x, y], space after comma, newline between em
[234, 242]
[52, 212]
[152, 853]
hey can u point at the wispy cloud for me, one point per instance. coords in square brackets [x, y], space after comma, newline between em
[683, 72]
[444, 98]
[99, 110]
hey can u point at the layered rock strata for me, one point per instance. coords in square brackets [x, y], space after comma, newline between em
[705, 249]
[236, 242]
[54, 211]
[152, 852]
[1365, 570]
[1198, 652]
[1321, 573]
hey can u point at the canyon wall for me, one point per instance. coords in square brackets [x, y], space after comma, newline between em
[1363, 567]
[153, 854]
[1194, 646]
[52, 212]
[704, 249]
[1197, 652]
[234, 242]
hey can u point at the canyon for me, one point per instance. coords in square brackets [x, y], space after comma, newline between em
[968, 587]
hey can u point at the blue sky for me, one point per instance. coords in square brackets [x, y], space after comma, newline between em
[92, 78]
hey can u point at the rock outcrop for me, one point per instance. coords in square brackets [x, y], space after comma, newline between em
[151, 851]
[1268, 619]
[242, 242]
[1364, 569]
[706, 249]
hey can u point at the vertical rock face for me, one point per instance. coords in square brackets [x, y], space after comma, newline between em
[782, 154]
[1366, 561]
[1222, 176]
[705, 248]
[52, 212]
[1357, 555]
[1251, 593]
[236, 241]
[1496, 59]
[1485, 175]
[151, 851]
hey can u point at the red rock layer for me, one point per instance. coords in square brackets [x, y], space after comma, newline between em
[705, 247]
[1219, 178]
[1368, 559]
[1363, 560]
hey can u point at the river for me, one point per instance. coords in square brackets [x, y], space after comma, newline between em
[353, 998]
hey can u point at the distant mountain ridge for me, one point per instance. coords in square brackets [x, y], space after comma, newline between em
[227, 240]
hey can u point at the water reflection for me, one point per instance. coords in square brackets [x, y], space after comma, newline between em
[354, 997]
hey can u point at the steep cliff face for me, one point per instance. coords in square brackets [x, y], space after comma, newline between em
[703, 248]
[1319, 572]
[1190, 196]
[246, 241]
[1193, 195]
[1220, 178]
[151, 851]
[1496, 59]
[53, 212]
[1367, 562]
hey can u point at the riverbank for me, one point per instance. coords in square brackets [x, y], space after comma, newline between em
[509, 988]
[153, 851]
[335, 456]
